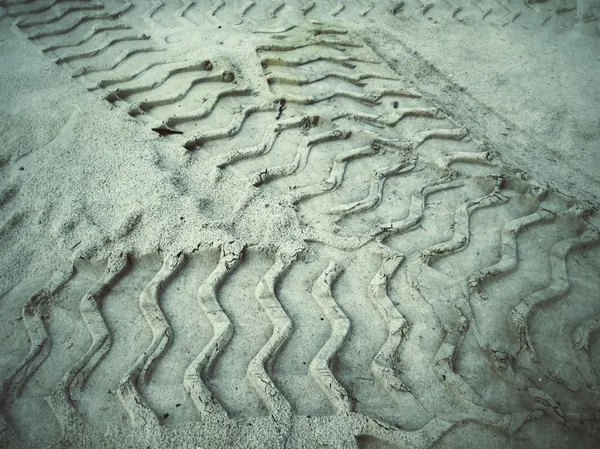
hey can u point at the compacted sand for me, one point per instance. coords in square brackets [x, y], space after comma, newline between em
[295, 224]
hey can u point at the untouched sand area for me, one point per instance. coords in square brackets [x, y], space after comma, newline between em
[296, 224]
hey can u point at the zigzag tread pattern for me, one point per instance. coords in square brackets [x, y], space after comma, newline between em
[202, 400]
[414, 231]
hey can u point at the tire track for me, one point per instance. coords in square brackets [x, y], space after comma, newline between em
[373, 155]
[282, 15]
[265, 15]
[474, 309]
[300, 159]
[261, 371]
[375, 194]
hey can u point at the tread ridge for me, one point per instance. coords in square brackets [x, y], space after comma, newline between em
[370, 98]
[460, 237]
[105, 82]
[144, 106]
[155, 6]
[320, 368]
[38, 336]
[581, 340]
[508, 250]
[60, 400]
[456, 324]
[96, 51]
[300, 158]
[86, 18]
[204, 401]
[336, 174]
[232, 129]
[345, 61]
[395, 117]
[422, 438]
[25, 23]
[397, 325]
[310, 234]
[256, 373]
[266, 145]
[97, 29]
[417, 205]
[204, 112]
[559, 285]
[44, 8]
[303, 80]
[507, 263]
[180, 67]
[116, 62]
[139, 412]
[373, 198]
[333, 43]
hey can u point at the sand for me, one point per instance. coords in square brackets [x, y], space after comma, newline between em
[326, 281]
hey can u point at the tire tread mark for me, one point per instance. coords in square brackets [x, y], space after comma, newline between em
[397, 325]
[232, 129]
[201, 396]
[508, 259]
[60, 400]
[156, 6]
[393, 118]
[581, 340]
[376, 185]
[449, 181]
[456, 325]
[320, 42]
[274, 10]
[502, 361]
[106, 82]
[40, 9]
[38, 336]
[162, 77]
[256, 373]
[303, 80]
[264, 146]
[338, 8]
[139, 413]
[96, 29]
[559, 285]
[25, 23]
[116, 62]
[201, 113]
[300, 158]
[344, 61]
[146, 105]
[311, 234]
[73, 56]
[86, 18]
[320, 368]
[336, 174]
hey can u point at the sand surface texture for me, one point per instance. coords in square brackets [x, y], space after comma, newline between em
[296, 224]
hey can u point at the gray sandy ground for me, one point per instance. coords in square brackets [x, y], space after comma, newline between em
[338, 335]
